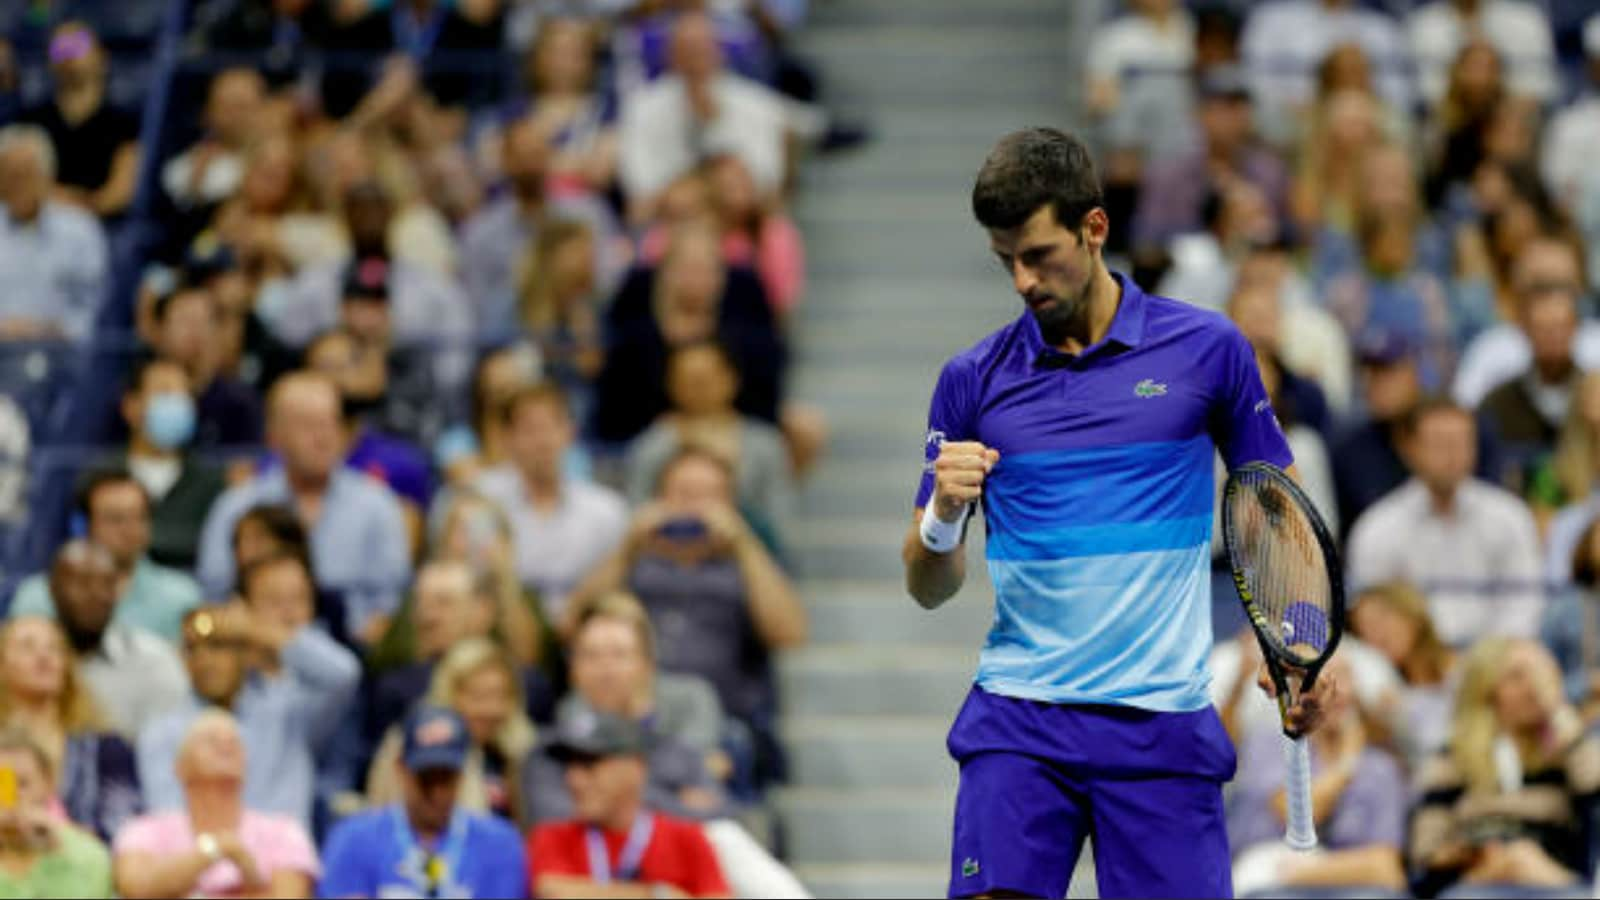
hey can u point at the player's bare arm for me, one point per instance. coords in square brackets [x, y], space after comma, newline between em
[932, 577]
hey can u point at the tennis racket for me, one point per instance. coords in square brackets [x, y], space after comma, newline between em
[1287, 571]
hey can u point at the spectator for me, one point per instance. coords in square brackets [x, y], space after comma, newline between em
[1576, 128]
[1360, 809]
[691, 297]
[1517, 747]
[1284, 40]
[1392, 292]
[216, 845]
[562, 527]
[668, 126]
[757, 233]
[427, 843]
[1456, 126]
[480, 682]
[357, 527]
[1393, 619]
[495, 238]
[1206, 264]
[570, 104]
[97, 146]
[1173, 195]
[273, 222]
[1526, 413]
[433, 35]
[133, 675]
[1569, 627]
[211, 170]
[719, 603]
[702, 383]
[1367, 462]
[44, 856]
[1471, 547]
[376, 411]
[53, 256]
[41, 693]
[288, 684]
[272, 530]
[1548, 265]
[1137, 73]
[614, 673]
[449, 608]
[645, 852]
[159, 410]
[1519, 31]
[188, 332]
[558, 308]
[1327, 184]
[1386, 187]
[151, 597]
[1311, 341]
[467, 449]
[280, 33]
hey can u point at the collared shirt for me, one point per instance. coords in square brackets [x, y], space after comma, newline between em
[1519, 32]
[1569, 144]
[155, 600]
[1502, 353]
[660, 138]
[556, 549]
[79, 866]
[135, 677]
[495, 240]
[54, 268]
[1099, 511]
[284, 719]
[1566, 532]
[375, 854]
[276, 843]
[1478, 564]
[359, 546]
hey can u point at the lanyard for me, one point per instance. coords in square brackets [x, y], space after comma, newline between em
[644, 826]
[415, 39]
[432, 870]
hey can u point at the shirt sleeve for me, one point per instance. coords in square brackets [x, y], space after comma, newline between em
[1243, 423]
[551, 853]
[700, 865]
[951, 417]
[343, 871]
[508, 877]
[289, 849]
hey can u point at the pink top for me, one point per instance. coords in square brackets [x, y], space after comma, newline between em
[779, 260]
[278, 843]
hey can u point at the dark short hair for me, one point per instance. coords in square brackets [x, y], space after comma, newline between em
[1033, 168]
[285, 557]
[163, 304]
[143, 369]
[102, 478]
[1432, 405]
[285, 527]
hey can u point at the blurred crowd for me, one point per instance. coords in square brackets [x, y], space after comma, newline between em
[433, 542]
[1398, 205]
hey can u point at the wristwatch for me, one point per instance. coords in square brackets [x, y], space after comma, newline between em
[208, 847]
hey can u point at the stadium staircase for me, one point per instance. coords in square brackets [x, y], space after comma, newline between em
[900, 278]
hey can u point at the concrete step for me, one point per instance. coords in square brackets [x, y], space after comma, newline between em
[941, 12]
[854, 825]
[929, 680]
[872, 881]
[882, 614]
[869, 751]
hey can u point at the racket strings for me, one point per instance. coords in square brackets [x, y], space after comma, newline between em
[1283, 567]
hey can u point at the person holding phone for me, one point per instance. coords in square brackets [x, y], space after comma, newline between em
[42, 854]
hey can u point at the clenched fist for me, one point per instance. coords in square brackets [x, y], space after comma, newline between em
[958, 476]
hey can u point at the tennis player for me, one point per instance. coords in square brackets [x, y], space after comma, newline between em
[1086, 428]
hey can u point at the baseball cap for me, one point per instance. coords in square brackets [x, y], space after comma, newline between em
[587, 734]
[367, 278]
[1226, 81]
[435, 738]
[1383, 347]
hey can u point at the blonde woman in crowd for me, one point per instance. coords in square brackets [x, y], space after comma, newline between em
[40, 854]
[1393, 619]
[480, 681]
[1508, 803]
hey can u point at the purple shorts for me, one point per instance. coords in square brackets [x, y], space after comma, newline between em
[1037, 778]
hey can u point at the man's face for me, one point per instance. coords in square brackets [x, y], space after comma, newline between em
[367, 319]
[213, 752]
[23, 183]
[600, 787]
[305, 428]
[234, 108]
[283, 594]
[84, 586]
[1548, 280]
[539, 436]
[1551, 319]
[1444, 450]
[1051, 267]
[216, 665]
[1225, 121]
[609, 665]
[188, 332]
[1392, 388]
[119, 520]
[447, 610]
[694, 487]
[430, 797]
[527, 157]
[696, 55]
[700, 382]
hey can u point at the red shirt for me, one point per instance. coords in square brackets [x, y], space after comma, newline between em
[678, 854]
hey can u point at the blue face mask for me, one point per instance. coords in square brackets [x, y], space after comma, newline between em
[169, 420]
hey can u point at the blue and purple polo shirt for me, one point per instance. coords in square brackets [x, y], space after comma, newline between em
[1099, 512]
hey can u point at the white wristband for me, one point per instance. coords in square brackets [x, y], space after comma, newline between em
[937, 534]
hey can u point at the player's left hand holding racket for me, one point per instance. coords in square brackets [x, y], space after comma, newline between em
[1287, 571]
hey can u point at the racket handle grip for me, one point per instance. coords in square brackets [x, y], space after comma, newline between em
[1301, 833]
